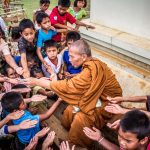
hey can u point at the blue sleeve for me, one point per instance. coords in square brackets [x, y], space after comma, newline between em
[65, 57]
[6, 129]
[54, 33]
[36, 117]
[39, 41]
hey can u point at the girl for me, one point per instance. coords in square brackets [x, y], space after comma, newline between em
[78, 10]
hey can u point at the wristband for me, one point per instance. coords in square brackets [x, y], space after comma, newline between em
[100, 140]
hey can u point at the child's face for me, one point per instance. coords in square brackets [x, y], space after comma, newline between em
[44, 7]
[22, 106]
[128, 140]
[80, 4]
[45, 24]
[11, 73]
[69, 43]
[62, 10]
[52, 52]
[38, 75]
[28, 34]
[31, 63]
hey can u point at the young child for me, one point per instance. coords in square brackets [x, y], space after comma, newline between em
[44, 5]
[69, 70]
[78, 10]
[26, 44]
[53, 59]
[133, 134]
[44, 34]
[59, 18]
[13, 101]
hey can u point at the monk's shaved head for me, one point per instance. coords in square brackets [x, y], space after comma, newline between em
[81, 47]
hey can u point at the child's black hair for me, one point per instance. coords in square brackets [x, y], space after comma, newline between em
[11, 101]
[35, 69]
[50, 43]
[19, 86]
[2, 33]
[44, 2]
[15, 33]
[40, 16]
[73, 36]
[136, 122]
[76, 1]
[64, 3]
[26, 23]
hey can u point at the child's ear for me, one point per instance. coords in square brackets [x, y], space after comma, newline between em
[144, 141]
[39, 25]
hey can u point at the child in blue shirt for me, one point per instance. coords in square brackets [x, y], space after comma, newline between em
[69, 70]
[45, 33]
[13, 101]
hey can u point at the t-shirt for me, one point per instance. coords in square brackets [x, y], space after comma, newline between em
[26, 135]
[4, 49]
[69, 66]
[78, 15]
[4, 131]
[55, 18]
[42, 37]
[56, 69]
[26, 47]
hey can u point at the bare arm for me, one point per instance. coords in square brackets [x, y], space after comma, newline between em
[50, 111]
[38, 51]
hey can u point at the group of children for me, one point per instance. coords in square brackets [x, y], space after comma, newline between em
[43, 50]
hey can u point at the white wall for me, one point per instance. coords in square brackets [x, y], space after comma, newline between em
[131, 16]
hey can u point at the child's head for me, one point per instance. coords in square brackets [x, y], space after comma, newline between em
[134, 130]
[30, 61]
[2, 33]
[43, 20]
[44, 4]
[80, 3]
[12, 101]
[63, 6]
[50, 47]
[71, 37]
[10, 72]
[15, 33]
[36, 72]
[27, 30]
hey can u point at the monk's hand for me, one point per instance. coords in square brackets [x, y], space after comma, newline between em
[115, 100]
[27, 124]
[65, 146]
[30, 81]
[114, 125]
[38, 98]
[94, 134]
[115, 109]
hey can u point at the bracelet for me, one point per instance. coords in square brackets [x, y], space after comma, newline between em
[100, 140]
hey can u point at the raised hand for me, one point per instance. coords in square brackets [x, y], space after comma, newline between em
[65, 146]
[115, 100]
[94, 134]
[19, 70]
[15, 115]
[38, 98]
[43, 132]
[114, 125]
[33, 143]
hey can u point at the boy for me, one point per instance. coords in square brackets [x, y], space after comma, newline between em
[26, 44]
[69, 70]
[53, 59]
[13, 101]
[59, 18]
[44, 34]
[133, 133]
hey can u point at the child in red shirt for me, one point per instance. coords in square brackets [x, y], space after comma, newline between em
[59, 18]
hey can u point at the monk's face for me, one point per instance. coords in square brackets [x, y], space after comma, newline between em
[75, 57]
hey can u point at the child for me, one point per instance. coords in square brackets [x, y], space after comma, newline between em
[44, 5]
[59, 18]
[133, 133]
[78, 10]
[26, 44]
[44, 34]
[13, 101]
[69, 70]
[53, 59]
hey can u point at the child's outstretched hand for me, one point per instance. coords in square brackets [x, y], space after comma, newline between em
[114, 125]
[38, 98]
[33, 143]
[15, 115]
[27, 124]
[94, 134]
[90, 27]
[43, 132]
[65, 146]
[48, 141]
[115, 100]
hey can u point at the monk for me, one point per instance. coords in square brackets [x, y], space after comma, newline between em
[86, 93]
